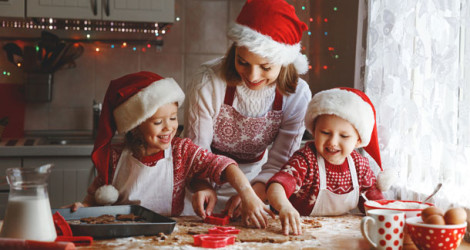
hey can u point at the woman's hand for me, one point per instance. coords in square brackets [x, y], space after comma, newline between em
[254, 210]
[204, 198]
[232, 207]
[290, 218]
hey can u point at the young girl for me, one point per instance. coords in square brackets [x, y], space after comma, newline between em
[326, 176]
[153, 166]
[250, 104]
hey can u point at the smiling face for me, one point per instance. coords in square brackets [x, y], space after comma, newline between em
[158, 130]
[335, 138]
[255, 71]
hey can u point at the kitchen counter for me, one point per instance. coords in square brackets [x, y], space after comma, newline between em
[341, 232]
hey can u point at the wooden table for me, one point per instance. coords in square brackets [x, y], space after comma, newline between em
[342, 232]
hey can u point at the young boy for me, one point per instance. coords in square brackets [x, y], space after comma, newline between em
[326, 176]
[153, 167]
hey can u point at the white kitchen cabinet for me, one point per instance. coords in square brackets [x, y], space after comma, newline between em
[69, 179]
[70, 9]
[12, 8]
[112, 10]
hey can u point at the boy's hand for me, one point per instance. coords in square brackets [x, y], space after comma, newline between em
[205, 198]
[290, 218]
[254, 211]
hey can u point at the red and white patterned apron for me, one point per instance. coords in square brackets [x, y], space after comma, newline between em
[244, 139]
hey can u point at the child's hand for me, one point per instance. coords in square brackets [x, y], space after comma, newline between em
[254, 211]
[204, 198]
[232, 207]
[290, 218]
[75, 206]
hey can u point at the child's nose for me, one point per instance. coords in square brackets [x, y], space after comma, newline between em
[333, 140]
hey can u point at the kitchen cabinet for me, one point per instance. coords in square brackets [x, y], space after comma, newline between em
[12, 8]
[69, 179]
[109, 10]
[68, 182]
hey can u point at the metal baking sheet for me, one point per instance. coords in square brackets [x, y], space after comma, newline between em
[155, 223]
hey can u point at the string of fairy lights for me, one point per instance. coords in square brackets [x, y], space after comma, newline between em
[159, 30]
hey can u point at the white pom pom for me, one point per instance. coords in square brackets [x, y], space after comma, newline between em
[301, 64]
[385, 179]
[106, 195]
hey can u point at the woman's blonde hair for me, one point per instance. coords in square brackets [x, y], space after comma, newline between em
[286, 81]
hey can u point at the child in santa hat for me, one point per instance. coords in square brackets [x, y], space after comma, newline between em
[327, 175]
[250, 104]
[153, 167]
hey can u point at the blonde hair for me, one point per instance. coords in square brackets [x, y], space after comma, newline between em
[286, 80]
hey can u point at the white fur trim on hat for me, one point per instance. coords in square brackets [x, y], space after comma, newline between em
[145, 103]
[346, 105]
[265, 46]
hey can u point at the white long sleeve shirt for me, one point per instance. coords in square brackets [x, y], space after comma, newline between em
[206, 96]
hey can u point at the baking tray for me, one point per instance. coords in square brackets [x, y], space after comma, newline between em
[156, 223]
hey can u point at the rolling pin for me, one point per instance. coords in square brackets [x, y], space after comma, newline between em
[11, 243]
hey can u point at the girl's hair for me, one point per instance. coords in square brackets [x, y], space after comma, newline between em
[134, 140]
[286, 81]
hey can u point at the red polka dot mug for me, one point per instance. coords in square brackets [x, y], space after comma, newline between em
[383, 229]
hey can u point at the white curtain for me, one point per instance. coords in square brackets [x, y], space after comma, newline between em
[417, 75]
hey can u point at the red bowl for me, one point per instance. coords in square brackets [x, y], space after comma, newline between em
[409, 212]
[435, 237]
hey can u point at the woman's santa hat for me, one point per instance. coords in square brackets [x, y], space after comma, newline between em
[271, 29]
[129, 101]
[355, 107]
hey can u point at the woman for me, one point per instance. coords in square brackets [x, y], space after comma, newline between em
[252, 100]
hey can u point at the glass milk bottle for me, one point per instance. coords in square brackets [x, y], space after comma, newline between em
[28, 214]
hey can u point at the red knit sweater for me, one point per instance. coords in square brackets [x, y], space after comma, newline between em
[301, 180]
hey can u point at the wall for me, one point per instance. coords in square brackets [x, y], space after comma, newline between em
[200, 35]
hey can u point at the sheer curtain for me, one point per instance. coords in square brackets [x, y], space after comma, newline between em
[417, 74]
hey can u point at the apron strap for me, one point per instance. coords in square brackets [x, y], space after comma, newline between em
[229, 95]
[277, 105]
[321, 171]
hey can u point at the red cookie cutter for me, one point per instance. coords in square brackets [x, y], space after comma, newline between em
[77, 240]
[217, 219]
[213, 240]
[64, 232]
[224, 230]
[61, 226]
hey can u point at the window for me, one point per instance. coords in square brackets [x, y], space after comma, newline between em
[418, 76]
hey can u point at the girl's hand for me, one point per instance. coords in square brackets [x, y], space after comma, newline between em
[75, 206]
[254, 210]
[290, 218]
[205, 198]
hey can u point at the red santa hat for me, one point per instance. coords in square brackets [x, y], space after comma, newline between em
[352, 105]
[129, 101]
[271, 29]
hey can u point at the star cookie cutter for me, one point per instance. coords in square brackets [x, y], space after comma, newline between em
[213, 240]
